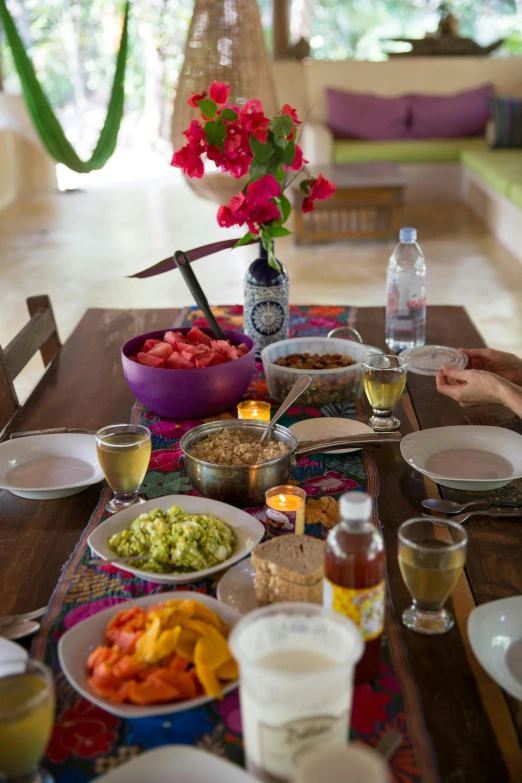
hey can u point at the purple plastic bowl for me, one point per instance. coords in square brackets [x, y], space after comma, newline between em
[188, 394]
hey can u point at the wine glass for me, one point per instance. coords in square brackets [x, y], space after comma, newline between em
[26, 720]
[430, 566]
[384, 379]
[124, 455]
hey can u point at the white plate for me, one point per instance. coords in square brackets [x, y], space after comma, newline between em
[42, 467]
[11, 656]
[328, 427]
[177, 764]
[495, 634]
[248, 529]
[236, 587]
[78, 642]
[470, 457]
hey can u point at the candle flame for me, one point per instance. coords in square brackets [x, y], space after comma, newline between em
[282, 498]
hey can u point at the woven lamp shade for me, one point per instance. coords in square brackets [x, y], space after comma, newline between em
[225, 43]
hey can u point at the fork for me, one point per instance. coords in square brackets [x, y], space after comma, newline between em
[492, 513]
[10, 619]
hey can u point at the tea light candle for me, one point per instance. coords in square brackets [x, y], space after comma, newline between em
[252, 409]
[285, 510]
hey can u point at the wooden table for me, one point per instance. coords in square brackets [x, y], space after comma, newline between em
[472, 723]
[366, 205]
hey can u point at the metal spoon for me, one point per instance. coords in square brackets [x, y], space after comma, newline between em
[297, 389]
[492, 513]
[19, 630]
[450, 507]
[10, 619]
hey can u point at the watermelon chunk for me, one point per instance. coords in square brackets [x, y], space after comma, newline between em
[221, 346]
[242, 349]
[217, 359]
[178, 362]
[150, 361]
[163, 350]
[232, 353]
[170, 337]
[132, 359]
[203, 360]
[148, 344]
[196, 337]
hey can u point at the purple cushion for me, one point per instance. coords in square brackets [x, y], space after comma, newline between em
[451, 116]
[359, 115]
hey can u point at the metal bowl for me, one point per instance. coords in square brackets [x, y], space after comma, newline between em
[245, 485]
[240, 485]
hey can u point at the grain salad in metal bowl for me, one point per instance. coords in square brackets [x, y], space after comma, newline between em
[238, 448]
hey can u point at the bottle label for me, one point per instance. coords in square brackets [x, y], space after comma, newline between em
[279, 522]
[403, 297]
[365, 607]
[280, 745]
[266, 314]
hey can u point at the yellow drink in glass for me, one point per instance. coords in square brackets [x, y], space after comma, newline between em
[124, 455]
[384, 379]
[26, 720]
[431, 558]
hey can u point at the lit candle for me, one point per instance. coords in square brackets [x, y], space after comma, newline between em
[285, 510]
[252, 409]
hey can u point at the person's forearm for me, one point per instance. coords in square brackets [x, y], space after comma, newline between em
[511, 397]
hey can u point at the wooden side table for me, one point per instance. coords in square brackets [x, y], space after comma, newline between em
[366, 205]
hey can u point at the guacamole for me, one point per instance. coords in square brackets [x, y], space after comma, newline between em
[175, 541]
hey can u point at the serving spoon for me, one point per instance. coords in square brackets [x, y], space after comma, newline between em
[301, 385]
[450, 507]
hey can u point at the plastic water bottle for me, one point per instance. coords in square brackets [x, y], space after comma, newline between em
[406, 294]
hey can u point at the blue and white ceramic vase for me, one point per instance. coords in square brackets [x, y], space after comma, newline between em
[266, 302]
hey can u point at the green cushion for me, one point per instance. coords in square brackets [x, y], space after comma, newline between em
[500, 169]
[406, 150]
[516, 194]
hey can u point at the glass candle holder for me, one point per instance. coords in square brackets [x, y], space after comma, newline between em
[253, 409]
[285, 510]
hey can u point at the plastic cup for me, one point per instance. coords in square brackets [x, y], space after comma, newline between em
[296, 666]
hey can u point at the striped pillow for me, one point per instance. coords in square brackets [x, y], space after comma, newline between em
[506, 116]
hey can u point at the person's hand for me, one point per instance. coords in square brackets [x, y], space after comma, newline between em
[506, 365]
[470, 387]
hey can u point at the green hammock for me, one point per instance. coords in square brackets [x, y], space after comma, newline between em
[50, 130]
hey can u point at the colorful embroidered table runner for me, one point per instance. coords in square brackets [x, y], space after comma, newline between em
[88, 741]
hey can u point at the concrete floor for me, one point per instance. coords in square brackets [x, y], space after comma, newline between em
[78, 247]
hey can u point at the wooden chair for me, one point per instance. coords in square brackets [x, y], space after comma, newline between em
[39, 334]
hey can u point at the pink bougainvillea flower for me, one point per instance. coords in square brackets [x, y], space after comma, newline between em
[189, 161]
[262, 190]
[195, 97]
[219, 92]
[298, 161]
[260, 215]
[321, 189]
[287, 109]
[215, 154]
[196, 137]
[254, 121]
[307, 205]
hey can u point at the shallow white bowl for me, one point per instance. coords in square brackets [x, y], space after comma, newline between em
[42, 467]
[469, 457]
[249, 532]
[177, 764]
[495, 635]
[78, 642]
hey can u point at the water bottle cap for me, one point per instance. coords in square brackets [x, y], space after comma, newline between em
[408, 234]
[355, 506]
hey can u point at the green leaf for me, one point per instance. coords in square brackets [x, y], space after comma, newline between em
[278, 231]
[281, 125]
[228, 114]
[285, 207]
[215, 132]
[208, 108]
[257, 170]
[262, 152]
[249, 237]
[272, 260]
[289, 153]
